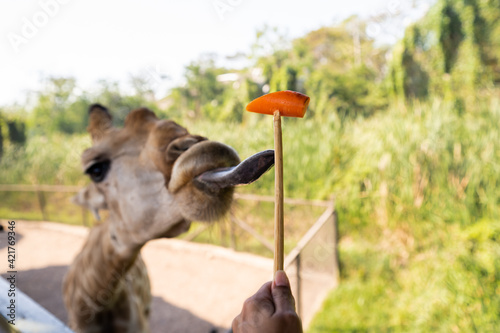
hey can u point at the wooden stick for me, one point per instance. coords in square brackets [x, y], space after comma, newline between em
[287, 104]
[278, 205]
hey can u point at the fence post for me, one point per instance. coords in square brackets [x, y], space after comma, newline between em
[299, 286]
[85, 217]
[42, 202]
[336, 259]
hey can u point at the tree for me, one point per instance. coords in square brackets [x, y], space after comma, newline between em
[339, 67]
[202, 92]
[58, 108]
[453, 51]
[17, 131]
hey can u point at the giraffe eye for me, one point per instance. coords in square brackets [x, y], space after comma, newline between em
[98, 171]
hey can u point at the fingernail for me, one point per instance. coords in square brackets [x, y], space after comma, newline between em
[281, 280]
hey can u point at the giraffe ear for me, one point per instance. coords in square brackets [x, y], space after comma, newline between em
[99, 121]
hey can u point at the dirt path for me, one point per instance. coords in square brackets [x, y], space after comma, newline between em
[196, 287]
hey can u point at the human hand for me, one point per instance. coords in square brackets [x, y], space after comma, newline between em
[270, 310]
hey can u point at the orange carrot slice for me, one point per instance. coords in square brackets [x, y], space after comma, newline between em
[288, 103]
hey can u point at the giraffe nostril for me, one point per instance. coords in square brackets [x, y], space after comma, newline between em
[177, 147]
[201, 157]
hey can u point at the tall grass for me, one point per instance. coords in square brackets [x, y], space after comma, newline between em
[419, 208]
[51, 159]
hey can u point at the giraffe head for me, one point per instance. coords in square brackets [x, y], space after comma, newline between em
[155, 177]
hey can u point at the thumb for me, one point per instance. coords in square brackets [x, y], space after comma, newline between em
[282, 294]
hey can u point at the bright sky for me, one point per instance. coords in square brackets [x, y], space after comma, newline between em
[112, 39]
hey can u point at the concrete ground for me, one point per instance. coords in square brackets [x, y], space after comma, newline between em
[196, 287]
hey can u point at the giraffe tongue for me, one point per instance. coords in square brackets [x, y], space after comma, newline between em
[244, 173]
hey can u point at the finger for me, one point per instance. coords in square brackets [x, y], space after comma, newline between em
[282, 294]
[264, 291]
[261, 302]
[241, 326]
[236, 324]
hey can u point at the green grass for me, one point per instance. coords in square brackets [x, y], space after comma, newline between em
[58, 207]
[437, 290]
[419, 223]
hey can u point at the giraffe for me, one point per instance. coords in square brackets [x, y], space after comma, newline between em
[154, 178]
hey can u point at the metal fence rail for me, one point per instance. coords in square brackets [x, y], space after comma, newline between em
[30, 316]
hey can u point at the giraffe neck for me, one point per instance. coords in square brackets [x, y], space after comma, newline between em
[95, 280]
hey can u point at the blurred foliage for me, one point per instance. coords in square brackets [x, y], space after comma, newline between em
[454, 51]
[406, 138]
[57, 109]
[418, 210]
[339, 67]
[53, 159]
[1, 137]
[61, 107]
[17, 131]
